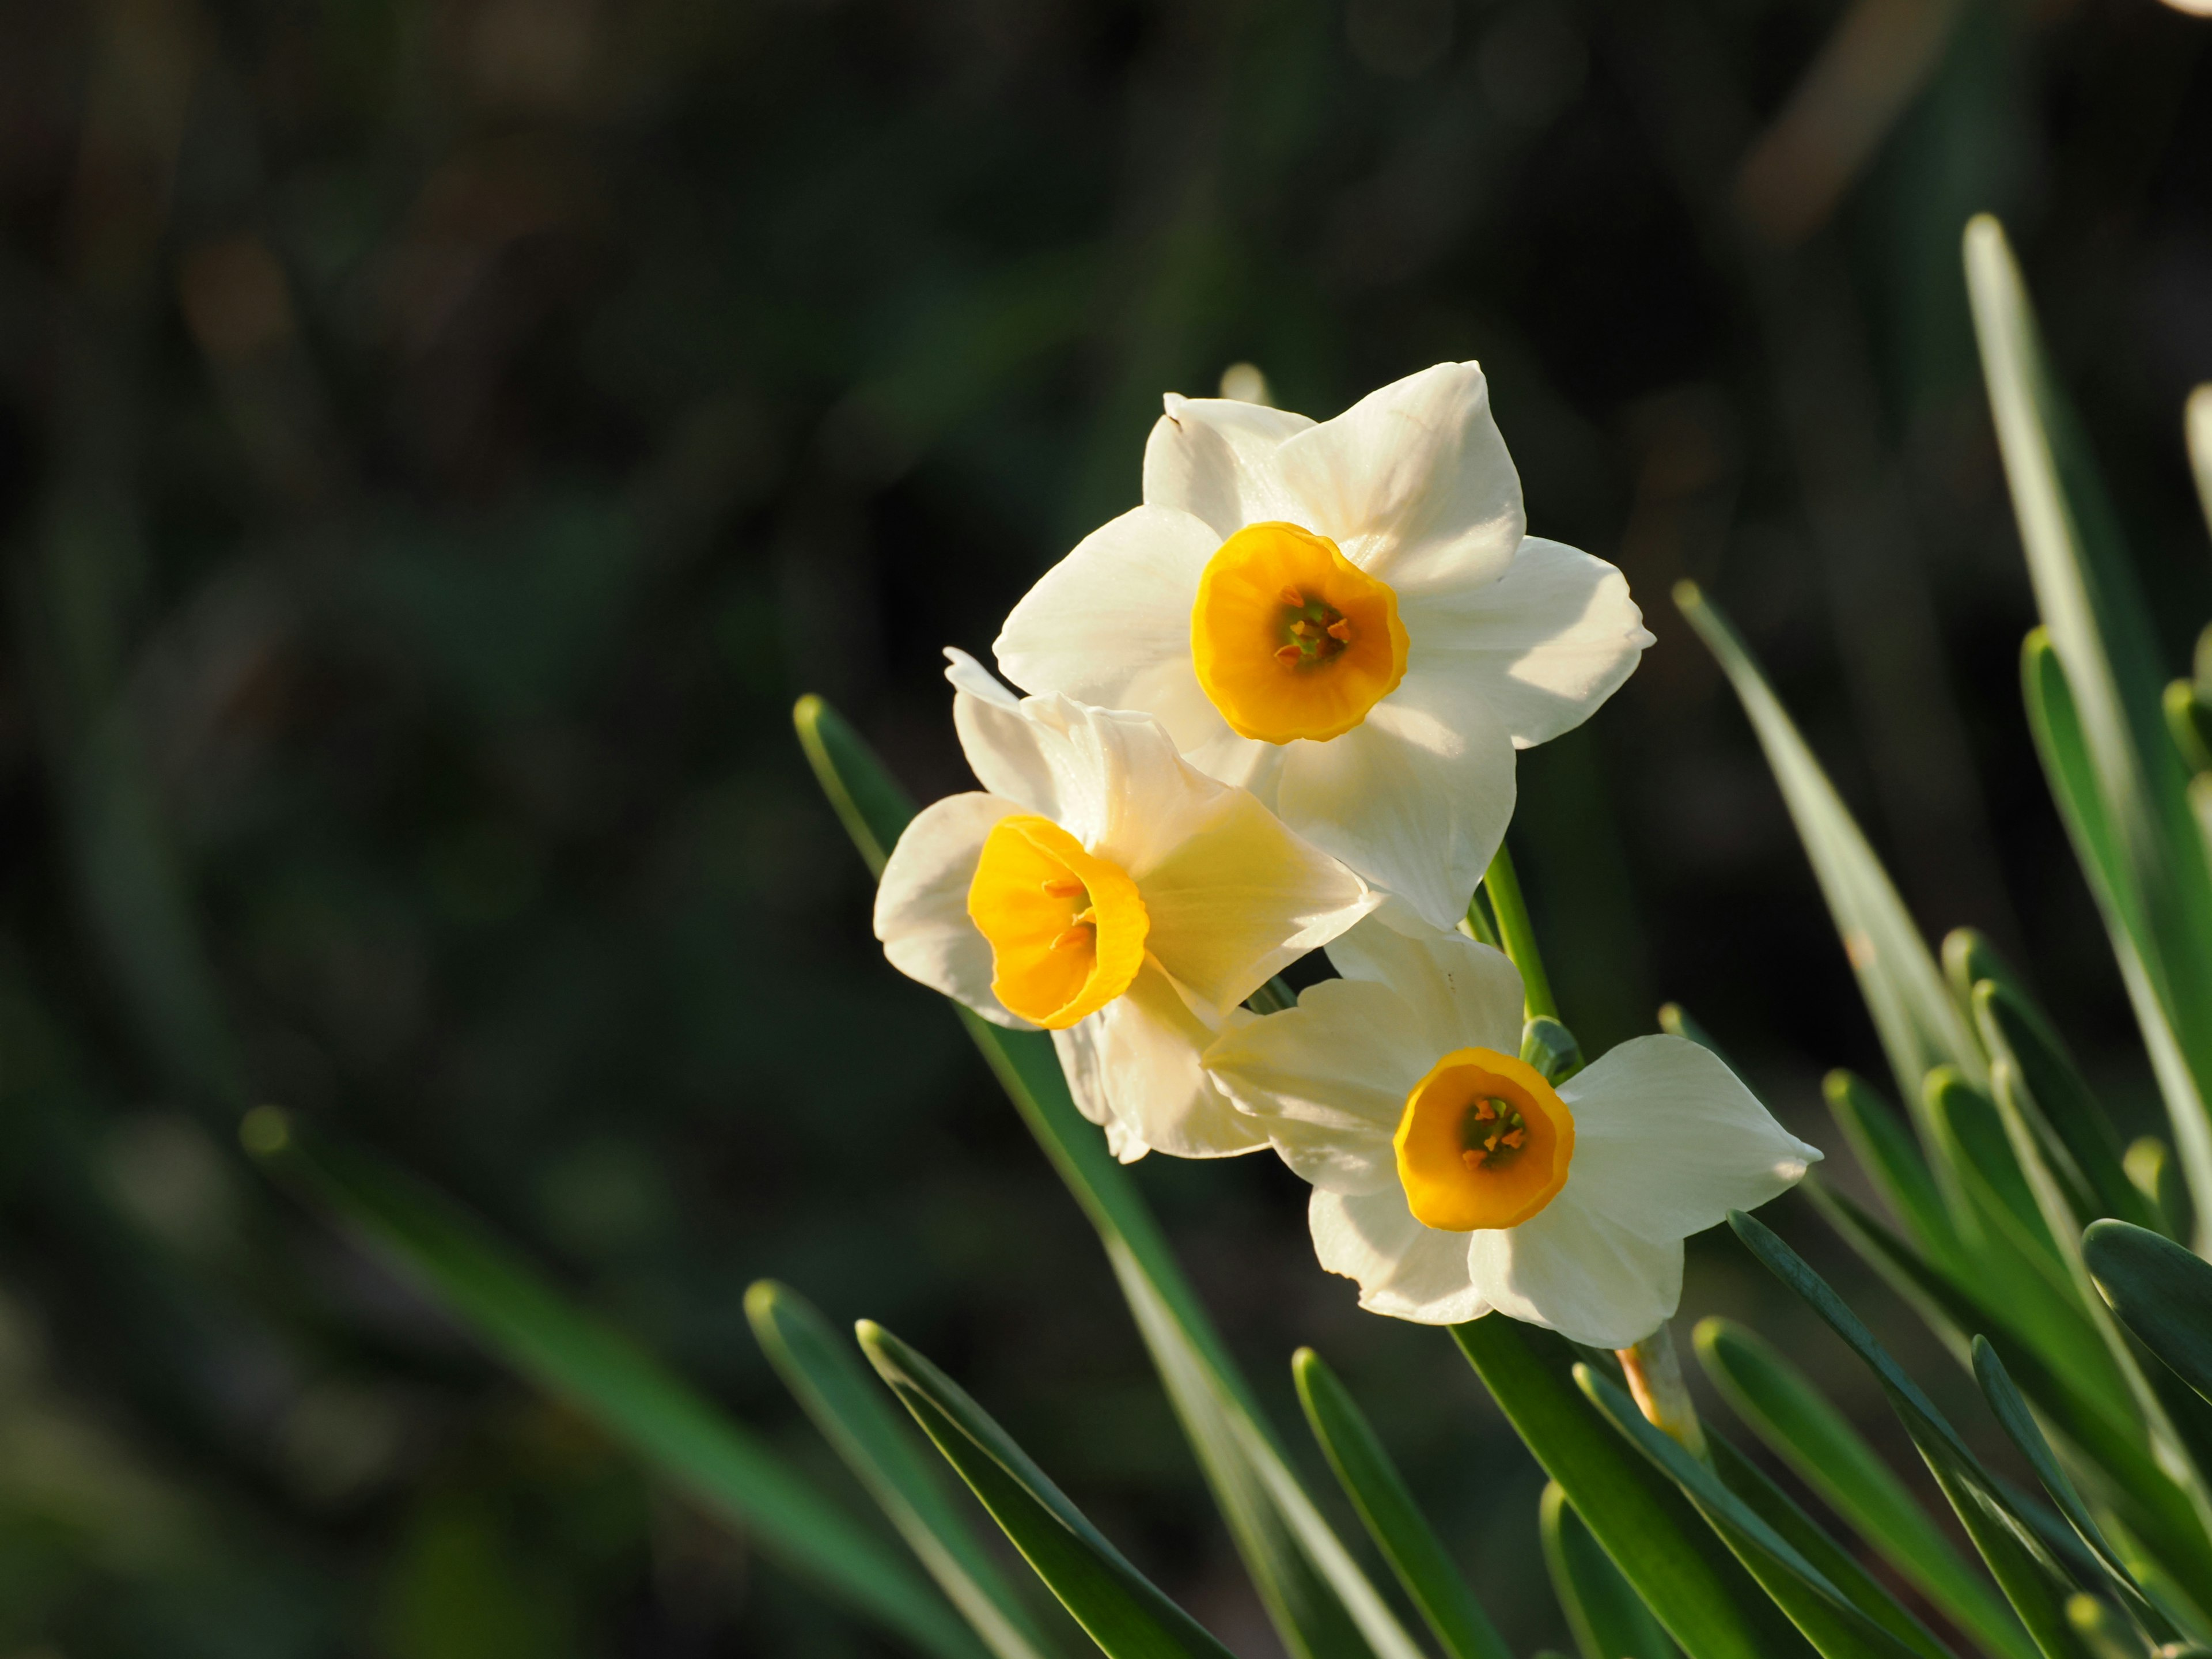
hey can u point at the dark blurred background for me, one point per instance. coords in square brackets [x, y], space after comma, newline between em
[437, 442]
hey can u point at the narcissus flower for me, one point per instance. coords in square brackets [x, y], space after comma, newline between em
[1104, 889]
[1451, 1180]
[1346, 618]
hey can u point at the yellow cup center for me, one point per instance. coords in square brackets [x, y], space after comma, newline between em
[1290, 638]
[1483, 1142]
[1067, 929]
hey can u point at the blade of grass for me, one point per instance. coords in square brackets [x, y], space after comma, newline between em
[1394, 1521]
[1797, 1423]
[824, 1374]
[452, 1260]
[1121, 1609]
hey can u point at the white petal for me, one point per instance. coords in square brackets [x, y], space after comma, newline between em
[1667, 1140]
[1109, 625]
[1240, 898]
[1415, 799]
[1328, 1080]
[921, 903]
[1404, 1269]
[1148, 1043]
[1546, 643]
[1077, 1045]
[1005, 747]
[1209, 456]
[1577, 1269]
[1413, 482]
[1457, 993]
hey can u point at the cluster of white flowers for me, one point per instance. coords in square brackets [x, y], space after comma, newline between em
[1275, 708]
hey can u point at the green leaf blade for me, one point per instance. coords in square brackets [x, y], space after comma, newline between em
[1609, 1618]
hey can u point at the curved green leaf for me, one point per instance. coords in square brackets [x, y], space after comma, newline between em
[1608, 1619]
[2033, 1580]
[1919, 1023]
[1833, 1620]
[1321, 1604]
[1393, 1520]
[827, 1378]
[2162, 1293]
[451, 1259]
[2012, 1416]
[1684, 1573]
[1893, 1162]
[1799, 1425]
[1121, 1609]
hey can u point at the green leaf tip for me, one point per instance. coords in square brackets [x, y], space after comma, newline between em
[1688, 596]
[265, 1131]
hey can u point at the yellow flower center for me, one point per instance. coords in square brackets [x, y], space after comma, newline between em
[1290, 638]
[1067, 929]
[1483, 1142]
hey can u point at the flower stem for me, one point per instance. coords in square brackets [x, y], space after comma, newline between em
[1654, 1378]
[1518, 937]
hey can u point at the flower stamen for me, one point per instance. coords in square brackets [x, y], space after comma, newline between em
[1483, 1142]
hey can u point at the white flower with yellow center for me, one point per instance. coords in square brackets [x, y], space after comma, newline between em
[1106, 889]
[1451, 1180]
[1346, 618]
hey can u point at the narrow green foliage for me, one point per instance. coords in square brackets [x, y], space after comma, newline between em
[1892, 1160]
[1394, 1521]
[1799, 1425]
[1969, 958]
[2071, 1125]
[1699, 1591]
[1321, 1604]
[1919, 1023]
[2032, 1578]
[2197, 424]
[1517, 936]
[2160, 1291]
[453, 1261]
[1608, 1619]
[2188, 721]
[1835, 1620]
[2018, 1424]
[824, 1374]
[2152, 1171]
[1117, 1606]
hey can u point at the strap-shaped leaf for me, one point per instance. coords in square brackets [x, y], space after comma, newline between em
[1121, 1609]
[1831, 1618]
[824, 1374]
[2162, 1293]
[2071, 1123]
[2055, 723]
[1321, 1604]
[1799, 1425]
[2011, 1410]
[1394, 1521]
[1893, 1162]
[1672, 1559]
[575, 1357]
[1919, 1023]
[2030, 1577]
[2197, 423]
[1609, 1620]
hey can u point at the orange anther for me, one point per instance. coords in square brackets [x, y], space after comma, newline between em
[1295, 599]
[1077, 934]
[1289, 653]
[1304, 630]
[1484, 1111]
[1340, 631]
[1513, 1137]
[1472, 1158]
[1063, 887]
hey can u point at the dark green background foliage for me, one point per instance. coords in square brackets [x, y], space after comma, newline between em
[438, 441]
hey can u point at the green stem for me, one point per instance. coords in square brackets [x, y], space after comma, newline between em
[1478, 922]
[1518, 938]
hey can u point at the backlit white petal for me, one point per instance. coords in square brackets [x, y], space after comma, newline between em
[1328, 1080]
[1005, 748]
[1208, 456]
[1415, 799]
[1147, 1044]
[1546, 644]
[1457, 994]
[921, 903]
[1578, 1270]
[1240, 898]
[1412, 482]
[1113, 613]
[1667, 1140]
[1404, 1269]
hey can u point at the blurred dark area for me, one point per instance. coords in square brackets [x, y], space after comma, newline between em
[437, 443]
